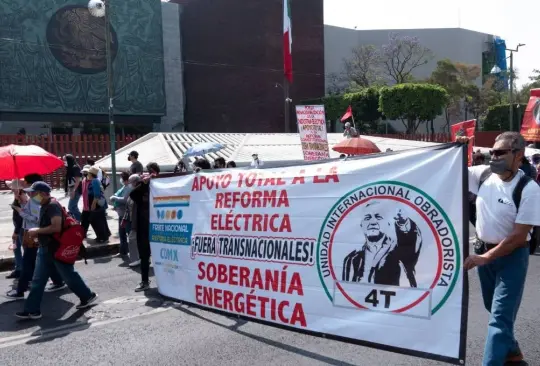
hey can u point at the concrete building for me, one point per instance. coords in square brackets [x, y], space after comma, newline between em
[53, 75]
[456, 44]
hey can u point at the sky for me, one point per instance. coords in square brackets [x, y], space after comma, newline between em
[514, 21]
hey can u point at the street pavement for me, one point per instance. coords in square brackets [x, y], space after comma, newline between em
[126, 328]
[6, 223]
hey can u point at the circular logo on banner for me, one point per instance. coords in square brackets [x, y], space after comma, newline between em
[388, 246]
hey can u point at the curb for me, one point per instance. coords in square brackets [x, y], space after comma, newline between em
[93, 251]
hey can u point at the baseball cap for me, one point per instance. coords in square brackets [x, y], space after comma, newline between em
[134, 153]
[39, 187]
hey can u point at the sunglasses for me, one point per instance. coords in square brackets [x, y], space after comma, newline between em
[501, 152]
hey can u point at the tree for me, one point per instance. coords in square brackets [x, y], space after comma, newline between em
[497, 117]
[459, 81]
[524, 93]
[401, 56]
[447, 76]
[365, 107]
[480, 99]
[413, 104]
[362, 69]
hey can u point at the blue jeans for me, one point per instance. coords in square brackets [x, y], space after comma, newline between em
[44, 265]
[123, 234]
[502, 283]
[28, 268]
[17, 252]
[73, 206]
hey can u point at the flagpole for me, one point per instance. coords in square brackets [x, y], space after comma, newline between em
[287, 109]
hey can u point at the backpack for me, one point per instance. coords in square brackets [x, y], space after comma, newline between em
[105, 180]
[69, 240]
[516, 197]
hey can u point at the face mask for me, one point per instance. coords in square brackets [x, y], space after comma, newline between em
[129, 159]
[37, 198]
[499, 166]
[65, 163]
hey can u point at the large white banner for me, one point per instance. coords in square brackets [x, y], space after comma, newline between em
[366, 250]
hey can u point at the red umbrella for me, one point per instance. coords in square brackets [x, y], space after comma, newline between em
[356, 146]
[17, 161]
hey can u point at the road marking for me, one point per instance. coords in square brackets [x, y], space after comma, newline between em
[66, 329]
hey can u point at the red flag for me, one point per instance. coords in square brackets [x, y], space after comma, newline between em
[347, 114]
[530, 127]
[466, 128]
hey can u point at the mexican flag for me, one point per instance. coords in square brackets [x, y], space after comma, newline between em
[287, 41]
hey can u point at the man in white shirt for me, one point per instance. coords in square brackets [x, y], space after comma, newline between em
[502, 231]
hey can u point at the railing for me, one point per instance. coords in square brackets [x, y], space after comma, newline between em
[483, 138]
[81, 147]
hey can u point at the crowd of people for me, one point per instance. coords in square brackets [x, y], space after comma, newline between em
[504, 204]
[130, 202]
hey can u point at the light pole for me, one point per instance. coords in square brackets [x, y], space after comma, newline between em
[288, 100]
[511, 115]
[99, 8]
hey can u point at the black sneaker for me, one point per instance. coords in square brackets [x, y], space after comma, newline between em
[13, 275]
[53, 287]
[15, 295]
[27, 315]
[87, 303]
[143, 286]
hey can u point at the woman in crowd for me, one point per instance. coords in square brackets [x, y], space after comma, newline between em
[18, 194]
[72, 185]
[119, 200]
[219, 163]
[141, 196]
[201, 164]
[98, 207]
[129, 222]
[180, 167]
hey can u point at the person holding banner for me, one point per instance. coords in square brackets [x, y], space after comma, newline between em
[508, 206]
[141, 197]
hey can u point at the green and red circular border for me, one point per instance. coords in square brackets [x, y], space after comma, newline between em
[434, 231]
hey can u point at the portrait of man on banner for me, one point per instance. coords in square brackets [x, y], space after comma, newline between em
[389, 244]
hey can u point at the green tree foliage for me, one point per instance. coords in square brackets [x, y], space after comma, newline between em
[458, 80]
[413, 104]
[365, 107]
[497, 118]
[525, 92]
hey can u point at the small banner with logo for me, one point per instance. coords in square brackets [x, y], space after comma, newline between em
[465, 128]
[530, 126]
[368, 250]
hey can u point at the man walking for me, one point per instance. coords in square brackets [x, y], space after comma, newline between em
[507, 207]
[50, 223]
[136, 166]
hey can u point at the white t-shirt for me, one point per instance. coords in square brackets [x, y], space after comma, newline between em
[495, 210]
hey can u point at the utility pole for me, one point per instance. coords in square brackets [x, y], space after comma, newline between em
[100, 8]
[511, 79]
[287, 106]
[110, 94]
